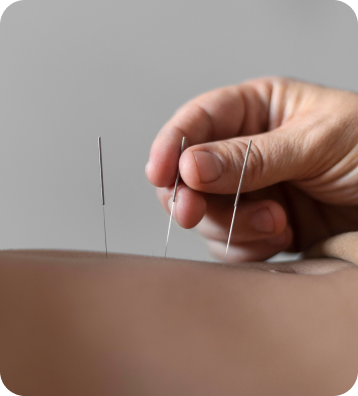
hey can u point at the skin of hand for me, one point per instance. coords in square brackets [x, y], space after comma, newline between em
[301, 181]
[339, 246]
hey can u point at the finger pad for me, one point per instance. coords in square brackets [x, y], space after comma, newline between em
[189, 170]
[191, 207]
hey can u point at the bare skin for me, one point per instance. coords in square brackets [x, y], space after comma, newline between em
[301, 183]
[74, 323]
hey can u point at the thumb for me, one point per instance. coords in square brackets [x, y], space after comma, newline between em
[216, 167]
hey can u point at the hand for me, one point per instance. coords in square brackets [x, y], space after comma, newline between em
[301, 181]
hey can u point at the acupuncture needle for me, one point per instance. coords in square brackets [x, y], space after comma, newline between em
[102, 190]
[238, 196]
[174, 197]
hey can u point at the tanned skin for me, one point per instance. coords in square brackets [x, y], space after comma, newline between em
[76, 323]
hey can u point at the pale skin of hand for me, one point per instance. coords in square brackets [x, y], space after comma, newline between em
[76, 323]
[301, 182]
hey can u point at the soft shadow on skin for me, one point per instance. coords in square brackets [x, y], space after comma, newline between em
[309, 266]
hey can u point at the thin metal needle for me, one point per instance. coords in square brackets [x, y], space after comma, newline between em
[174, 196]
[102, 190]
[105, 232]
[238, 196]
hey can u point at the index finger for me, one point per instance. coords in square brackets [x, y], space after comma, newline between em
[220, 114]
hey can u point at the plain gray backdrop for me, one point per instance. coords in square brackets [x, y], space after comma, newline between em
[71, 71]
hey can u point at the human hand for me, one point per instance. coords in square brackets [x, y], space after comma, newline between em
[301, 181]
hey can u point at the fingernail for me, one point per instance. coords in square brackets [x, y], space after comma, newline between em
[280, 240]
[209, 166]
[262, 221]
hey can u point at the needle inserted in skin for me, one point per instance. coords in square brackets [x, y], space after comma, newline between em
[174, 196]
[102, 191]
[238, 196]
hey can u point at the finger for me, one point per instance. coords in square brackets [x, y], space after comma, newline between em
[274, 157]
[190, 206]
[216, 115]
[254, 221]
[252, 251]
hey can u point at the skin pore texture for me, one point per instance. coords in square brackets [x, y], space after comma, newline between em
[76, 323]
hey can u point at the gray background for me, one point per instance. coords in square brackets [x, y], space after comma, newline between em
[71, 71]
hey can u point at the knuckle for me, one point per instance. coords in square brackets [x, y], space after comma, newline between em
[235, 152]
[193, 121]
[204, 115]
